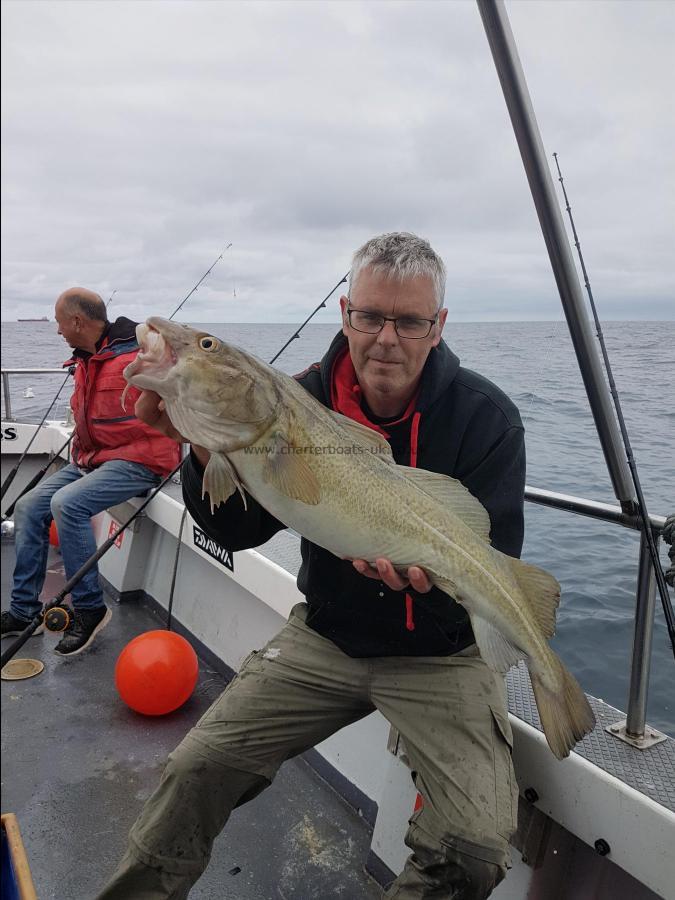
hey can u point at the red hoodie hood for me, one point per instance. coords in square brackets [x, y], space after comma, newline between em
[347, 396]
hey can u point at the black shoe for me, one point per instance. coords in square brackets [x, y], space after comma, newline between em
[10, 626]
[84, 626]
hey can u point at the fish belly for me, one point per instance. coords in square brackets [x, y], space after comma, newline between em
[357, 516]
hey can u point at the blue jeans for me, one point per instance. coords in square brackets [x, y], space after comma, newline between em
[71, 497]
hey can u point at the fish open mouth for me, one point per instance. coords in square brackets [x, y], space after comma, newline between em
[153, 363]
[154, 350]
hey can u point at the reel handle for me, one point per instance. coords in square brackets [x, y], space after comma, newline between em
[57, 618]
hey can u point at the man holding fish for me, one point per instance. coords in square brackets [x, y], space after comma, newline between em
[416, 601]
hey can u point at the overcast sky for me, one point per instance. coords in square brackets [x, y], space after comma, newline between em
[140, 138]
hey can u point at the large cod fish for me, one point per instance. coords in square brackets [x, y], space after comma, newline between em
[336, 483]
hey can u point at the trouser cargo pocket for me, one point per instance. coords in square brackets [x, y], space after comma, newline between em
[506, 787]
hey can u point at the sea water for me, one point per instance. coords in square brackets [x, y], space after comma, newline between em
[534, 362]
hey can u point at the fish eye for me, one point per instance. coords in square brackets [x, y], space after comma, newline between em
[208, 343]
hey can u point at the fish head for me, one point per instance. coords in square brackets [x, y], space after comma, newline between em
[212, 390]
[168, 352]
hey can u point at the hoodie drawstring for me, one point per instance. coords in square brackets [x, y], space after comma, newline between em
[409, 621]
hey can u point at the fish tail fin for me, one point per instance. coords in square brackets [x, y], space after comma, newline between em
[565, 713]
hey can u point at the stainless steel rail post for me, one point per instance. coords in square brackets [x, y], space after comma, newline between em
[634, 730]
[524, 122]
[526, 130]
[5, 392]
[642, 642]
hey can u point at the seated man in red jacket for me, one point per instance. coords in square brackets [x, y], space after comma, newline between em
[114, 457]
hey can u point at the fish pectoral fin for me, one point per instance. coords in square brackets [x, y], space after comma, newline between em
[451, 493]
[542, 592]
[220, 480]
[499, 653]
[361, 434]
[287, 470]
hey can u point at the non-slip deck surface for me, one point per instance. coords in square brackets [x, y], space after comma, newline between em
[78, 764]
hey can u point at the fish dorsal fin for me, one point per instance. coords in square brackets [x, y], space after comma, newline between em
[452, 493]
[220, 480]
[364, 435]
[287, 470]
[499, 653]
[542, 592]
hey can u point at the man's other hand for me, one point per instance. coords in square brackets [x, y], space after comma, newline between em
[383, 570]
[150, 409]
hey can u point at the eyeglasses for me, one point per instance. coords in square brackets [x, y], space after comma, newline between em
[408, 327]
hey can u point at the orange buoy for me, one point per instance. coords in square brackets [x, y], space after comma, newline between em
[156, 672]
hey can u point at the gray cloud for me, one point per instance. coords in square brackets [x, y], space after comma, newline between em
[140, 138]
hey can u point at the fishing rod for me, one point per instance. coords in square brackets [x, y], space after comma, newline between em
[182, 521]
[36, 479]
[320, 306]
[56, 617]
[174, 574]
[10, 477]
[183, 517]
[200, 281]
[642, 506]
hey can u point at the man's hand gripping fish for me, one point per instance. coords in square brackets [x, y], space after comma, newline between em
[336, 483]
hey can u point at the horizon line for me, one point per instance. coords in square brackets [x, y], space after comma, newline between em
[337, 321]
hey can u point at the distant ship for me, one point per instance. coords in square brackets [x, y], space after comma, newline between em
[43, 319]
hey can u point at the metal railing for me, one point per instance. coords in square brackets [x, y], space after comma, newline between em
[645, 599]
[7, 401]
[646, 582]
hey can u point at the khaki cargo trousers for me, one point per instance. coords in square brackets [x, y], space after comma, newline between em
[297, 691]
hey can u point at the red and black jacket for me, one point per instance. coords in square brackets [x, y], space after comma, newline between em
[459, 424]
[103, 429]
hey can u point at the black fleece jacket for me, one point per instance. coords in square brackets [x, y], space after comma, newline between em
[467, 428]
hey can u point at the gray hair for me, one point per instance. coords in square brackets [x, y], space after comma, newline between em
[400, 255]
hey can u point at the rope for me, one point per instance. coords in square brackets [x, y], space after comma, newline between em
[175, 568]
[669, 538]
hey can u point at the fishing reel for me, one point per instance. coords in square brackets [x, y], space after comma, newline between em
[57, 618]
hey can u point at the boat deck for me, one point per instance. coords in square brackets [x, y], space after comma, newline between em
[78, 764]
